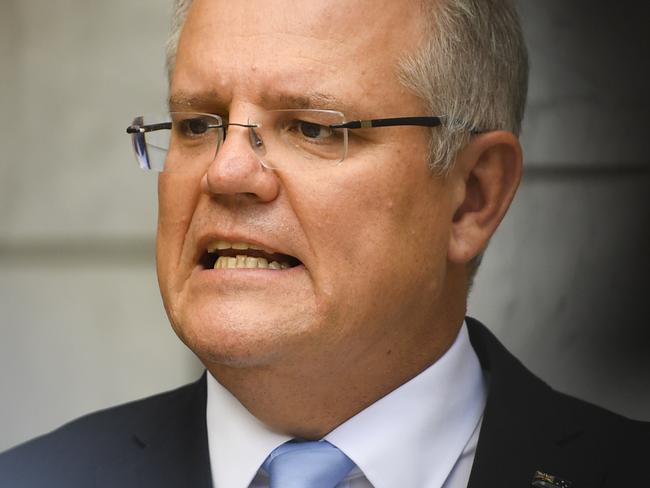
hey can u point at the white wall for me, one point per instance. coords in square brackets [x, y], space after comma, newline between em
[81, 322]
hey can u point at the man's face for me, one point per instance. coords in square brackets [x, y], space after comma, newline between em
[370, 235]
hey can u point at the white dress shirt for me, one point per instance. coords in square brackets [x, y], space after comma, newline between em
[422, 434]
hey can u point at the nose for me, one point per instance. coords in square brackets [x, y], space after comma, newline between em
[237, 170]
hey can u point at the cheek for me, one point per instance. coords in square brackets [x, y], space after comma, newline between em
[177, 198]
[370, 233]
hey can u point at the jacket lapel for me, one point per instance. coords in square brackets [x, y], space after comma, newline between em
[527, 427]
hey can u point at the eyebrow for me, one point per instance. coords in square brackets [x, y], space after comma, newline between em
[192, 100]
[315, 100]
[308, 100]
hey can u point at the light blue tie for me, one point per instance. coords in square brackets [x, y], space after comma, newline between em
[310, 464]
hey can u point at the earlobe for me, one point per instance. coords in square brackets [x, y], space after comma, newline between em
[487, 172]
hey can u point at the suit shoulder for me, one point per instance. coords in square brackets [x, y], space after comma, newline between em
[614, 432]
[530, 426]
[112, 421]
[516, 384]
[88, 441]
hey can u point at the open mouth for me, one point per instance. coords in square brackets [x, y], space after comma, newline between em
[240, 255]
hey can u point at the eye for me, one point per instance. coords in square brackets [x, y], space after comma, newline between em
[196, 126]
[311, 130]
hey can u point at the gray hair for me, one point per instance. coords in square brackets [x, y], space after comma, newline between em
[181, 8]
[472, 67]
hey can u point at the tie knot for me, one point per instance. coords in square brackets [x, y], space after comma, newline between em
[307, 465]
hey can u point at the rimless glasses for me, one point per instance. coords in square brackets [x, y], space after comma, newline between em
[284, 139]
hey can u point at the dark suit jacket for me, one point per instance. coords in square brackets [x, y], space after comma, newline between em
[162, 441]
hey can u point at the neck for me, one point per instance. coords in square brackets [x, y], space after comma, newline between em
[309, 400]
[309, 396]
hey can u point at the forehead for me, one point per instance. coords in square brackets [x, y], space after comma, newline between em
[316, 53]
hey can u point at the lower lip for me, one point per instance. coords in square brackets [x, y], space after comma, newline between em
[256, 275]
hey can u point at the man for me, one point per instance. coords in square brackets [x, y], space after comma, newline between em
[331, 174]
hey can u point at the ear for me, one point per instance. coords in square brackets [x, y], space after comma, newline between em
[486, 175]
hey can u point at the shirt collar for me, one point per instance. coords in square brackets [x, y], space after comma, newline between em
[238, 443]
[411, 437]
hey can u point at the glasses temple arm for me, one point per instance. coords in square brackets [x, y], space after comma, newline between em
[364, 124]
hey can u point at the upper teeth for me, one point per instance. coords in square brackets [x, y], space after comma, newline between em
[221, 245]
[242, 260]
[247, 262]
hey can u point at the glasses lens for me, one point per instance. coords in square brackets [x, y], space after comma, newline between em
[301, 139]
[283, 139]
[176, 142]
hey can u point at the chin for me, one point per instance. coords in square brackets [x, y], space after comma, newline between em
[239, 337]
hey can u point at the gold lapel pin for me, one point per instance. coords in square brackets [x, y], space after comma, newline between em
[544, 480]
